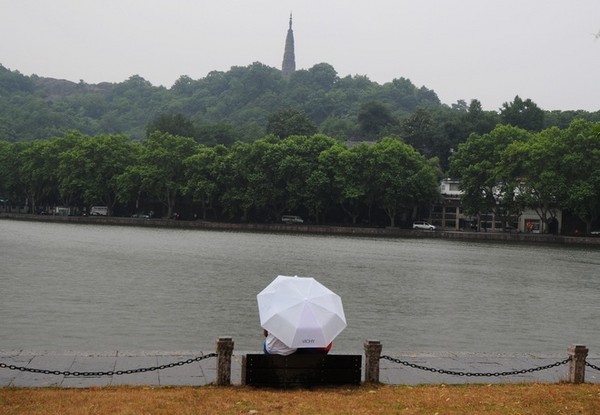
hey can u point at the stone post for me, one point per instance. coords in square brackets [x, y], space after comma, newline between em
[224, 352]
[578, 354]
[372, 355]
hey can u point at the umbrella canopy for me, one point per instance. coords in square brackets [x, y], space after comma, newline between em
[301, 312]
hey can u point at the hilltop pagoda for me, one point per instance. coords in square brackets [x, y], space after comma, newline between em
[288, 66]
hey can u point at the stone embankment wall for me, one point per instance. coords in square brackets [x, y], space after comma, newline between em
[310, 229]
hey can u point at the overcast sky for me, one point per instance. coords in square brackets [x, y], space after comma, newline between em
[490, 50]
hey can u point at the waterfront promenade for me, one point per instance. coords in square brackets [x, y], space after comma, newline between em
[312, 229]
[203, 372]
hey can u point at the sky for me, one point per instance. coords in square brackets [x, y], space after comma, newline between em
[490, 50]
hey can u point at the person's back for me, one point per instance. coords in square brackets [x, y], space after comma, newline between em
[273, 345]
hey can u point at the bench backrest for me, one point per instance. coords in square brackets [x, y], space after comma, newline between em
[304, 370]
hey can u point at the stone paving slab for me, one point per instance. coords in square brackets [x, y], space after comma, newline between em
[197, 373]
[203, 372]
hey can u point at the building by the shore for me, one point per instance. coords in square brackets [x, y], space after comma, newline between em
[448, 214]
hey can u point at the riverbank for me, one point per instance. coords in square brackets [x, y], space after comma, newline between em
[312, 229]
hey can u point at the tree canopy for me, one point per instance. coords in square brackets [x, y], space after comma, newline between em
[510, 169]
[243, 98]
[258, 181]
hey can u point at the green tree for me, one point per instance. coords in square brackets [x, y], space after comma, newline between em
[374, 118]
[289, 121]
[534, 164]
[485, 182]
[342, 129]
[308, 90]
[323, 76]
[353, 176]
[10, 185]
[37, 172]
[405, 180]
[175, 124]
[580, 163]
[215, 134]
[306, 182]
[248, 176]
[523, 114]
[129, 183]
[161, 168]
[92, 168]
[479, 121]
[419, 131]
[203, 174]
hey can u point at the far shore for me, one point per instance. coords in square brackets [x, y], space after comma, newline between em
[312, 229]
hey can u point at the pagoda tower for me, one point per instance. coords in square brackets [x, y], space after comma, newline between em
[288, 66]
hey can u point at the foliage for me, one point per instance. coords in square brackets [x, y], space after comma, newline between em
[175, 124]
[511, 169]
[373, 119]
[160, 167]
[523, 114]
[288, 121]
[202, 174]
[244, 97]
[477, 163]
[404, 179]
[503, 171]
[579, 161]
[91, 168]
[313, 175]
[533, 166]
[242, 104]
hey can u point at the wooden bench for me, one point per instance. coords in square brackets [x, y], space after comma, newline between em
[301, 370]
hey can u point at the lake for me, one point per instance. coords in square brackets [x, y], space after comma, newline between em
[101, 288]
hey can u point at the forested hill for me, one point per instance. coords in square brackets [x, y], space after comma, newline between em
[36, 107]
[237, 104]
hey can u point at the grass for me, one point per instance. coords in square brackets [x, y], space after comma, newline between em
[535, 399]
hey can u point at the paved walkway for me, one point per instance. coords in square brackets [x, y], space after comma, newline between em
[203, 372]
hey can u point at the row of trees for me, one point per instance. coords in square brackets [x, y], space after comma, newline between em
[503, 171]
[510, 169]
[316, 175]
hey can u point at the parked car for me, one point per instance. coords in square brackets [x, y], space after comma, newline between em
[291, 219]
[99, 211]
[140, 215]
[423, 226]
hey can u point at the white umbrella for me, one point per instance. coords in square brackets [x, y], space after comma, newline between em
[301, 312]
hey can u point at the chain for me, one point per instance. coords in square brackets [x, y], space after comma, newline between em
[197, 359]
[107, 373]
[592, 366]
[477, 374]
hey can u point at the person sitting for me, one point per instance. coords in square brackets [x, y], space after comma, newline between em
[273, 345]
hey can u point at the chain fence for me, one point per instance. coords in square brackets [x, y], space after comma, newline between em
[592, 366]
[68, 373]
[476, 374]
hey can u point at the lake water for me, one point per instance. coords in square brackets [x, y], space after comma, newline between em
[102, 288]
